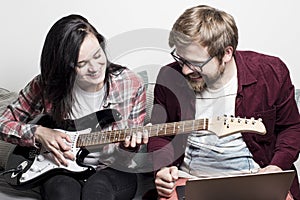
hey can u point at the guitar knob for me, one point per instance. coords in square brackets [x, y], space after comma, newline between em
[34, 168]
[24, 177]
[40, 158]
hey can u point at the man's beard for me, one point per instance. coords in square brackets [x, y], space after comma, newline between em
[197, 86]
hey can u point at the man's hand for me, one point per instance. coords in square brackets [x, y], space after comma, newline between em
[55, 142]
[165, 181]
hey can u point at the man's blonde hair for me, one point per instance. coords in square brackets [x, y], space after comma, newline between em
[206, 26]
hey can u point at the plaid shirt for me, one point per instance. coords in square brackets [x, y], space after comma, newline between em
[127, 95]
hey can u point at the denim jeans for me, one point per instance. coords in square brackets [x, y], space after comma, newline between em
[208, 156]
[106, 184]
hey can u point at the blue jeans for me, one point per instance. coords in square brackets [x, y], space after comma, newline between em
[106, 184]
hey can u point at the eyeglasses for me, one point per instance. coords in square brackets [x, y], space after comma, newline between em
[191, 65]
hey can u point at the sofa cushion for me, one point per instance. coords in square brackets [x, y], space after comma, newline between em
[6, 98]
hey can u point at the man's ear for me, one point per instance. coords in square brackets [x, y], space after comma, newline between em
[228, 54]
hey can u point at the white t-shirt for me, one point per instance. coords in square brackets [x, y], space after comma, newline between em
[208, 155]
[86, 102]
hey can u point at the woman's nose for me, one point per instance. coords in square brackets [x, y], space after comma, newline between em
[93, 65]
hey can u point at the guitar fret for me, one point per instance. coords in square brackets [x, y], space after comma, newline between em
[109, 136]
[166, 129]
[149, 129]
[193, 125]
[79, 141]
[112, 136]
[103, 137]
[83, 140]
[86, 140]
[99, 137]
[90, 139]
[122, 137]
[174, 127]
[95, 138]
[117, 136]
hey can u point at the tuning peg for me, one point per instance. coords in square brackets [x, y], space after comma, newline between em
[259, 119]
[253, 120]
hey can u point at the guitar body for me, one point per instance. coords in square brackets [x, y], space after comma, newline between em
[37, 165]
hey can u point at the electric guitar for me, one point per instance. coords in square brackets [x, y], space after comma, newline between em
[28, 166]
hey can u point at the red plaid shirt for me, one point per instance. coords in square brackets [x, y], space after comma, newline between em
[127, 95]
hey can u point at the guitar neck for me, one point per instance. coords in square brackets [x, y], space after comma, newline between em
[167, 129]
[220, 126]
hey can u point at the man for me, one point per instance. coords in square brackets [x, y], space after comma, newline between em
[211, 78]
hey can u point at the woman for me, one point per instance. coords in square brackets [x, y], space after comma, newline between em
[77, 80]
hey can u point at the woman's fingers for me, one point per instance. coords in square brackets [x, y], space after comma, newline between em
[139, 137]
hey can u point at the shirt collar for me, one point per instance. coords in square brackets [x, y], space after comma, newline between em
[245, 75]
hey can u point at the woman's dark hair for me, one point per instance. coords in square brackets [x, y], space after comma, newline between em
[59, 58]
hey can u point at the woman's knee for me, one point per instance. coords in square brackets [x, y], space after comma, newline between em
[59, 186]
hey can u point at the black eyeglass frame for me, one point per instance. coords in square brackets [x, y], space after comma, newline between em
[190, 65]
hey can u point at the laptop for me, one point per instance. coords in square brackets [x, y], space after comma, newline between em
[260, 186]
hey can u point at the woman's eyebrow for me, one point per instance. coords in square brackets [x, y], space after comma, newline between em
[93, 54]
[97, 51]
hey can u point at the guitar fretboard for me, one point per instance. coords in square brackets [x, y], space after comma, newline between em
[167, 129]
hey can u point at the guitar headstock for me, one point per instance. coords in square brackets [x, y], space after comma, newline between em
[223, 126]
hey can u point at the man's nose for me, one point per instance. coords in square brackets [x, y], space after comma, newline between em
[186, 70]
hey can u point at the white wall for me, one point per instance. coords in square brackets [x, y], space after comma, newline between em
[267, 26]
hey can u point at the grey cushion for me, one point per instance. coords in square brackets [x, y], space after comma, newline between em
[6, 98]
[6, 191]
